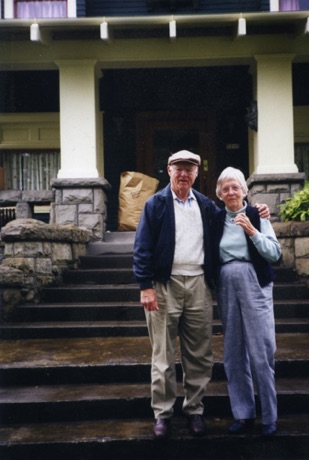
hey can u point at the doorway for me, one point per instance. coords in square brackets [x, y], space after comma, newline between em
[159, 134]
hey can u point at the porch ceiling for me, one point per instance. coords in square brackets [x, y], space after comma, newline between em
[137, 41]
[259, 19]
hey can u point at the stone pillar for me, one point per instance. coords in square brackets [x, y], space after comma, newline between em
[81, 127]
[273, 143]
[23, 211]
[274, 189]
[81, 202]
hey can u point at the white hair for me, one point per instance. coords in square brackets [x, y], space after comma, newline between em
[230, 173]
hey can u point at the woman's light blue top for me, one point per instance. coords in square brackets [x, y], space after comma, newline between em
[233, 244]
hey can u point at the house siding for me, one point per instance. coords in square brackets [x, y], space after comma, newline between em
[150, 7]
[80, 8]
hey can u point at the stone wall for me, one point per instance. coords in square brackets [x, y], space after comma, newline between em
[294, 240]
[24, 200]
[81, 202]
[36, 255]
[274, 190]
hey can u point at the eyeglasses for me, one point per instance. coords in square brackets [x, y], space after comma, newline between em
[234, 188]
[189, 171]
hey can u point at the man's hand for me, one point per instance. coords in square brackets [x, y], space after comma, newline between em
[263, 210]
[149, 299]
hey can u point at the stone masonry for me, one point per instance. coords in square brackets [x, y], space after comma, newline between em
[274, 190]
[24, 200]
[36, 255]
[294, 240]
[81, 202]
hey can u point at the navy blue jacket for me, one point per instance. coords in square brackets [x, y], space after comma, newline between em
[154, 245]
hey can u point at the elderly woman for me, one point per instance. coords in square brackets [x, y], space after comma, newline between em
[245, 245]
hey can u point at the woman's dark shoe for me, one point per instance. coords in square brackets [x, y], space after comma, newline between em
[162, 428]
[269, 430]
[240, 426]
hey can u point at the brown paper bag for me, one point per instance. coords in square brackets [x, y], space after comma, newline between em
[135, 188]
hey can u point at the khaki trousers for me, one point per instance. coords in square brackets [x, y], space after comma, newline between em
[185, 308]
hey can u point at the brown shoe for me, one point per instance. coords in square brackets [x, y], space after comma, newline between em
[196, 425]
[162, 428]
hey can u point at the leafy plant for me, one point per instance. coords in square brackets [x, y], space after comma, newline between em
[297, 207]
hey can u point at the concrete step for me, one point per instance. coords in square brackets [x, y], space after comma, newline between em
[125, 260]
[128, 311]
[70, 329]
[130, 292]
[100, 276]
[131, 439]
[118, 359]
[92, 293]
[27, 404]
[119, 237]
[284, 274]
[114, 242]
[75, 375]
[296, 290]
[122, 260]
[124, 275]
[81, 311]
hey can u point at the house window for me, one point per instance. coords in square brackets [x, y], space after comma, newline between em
[40, 9]
[289, 5]
[31, 170]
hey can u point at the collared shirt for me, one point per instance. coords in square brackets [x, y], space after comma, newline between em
[188, 200]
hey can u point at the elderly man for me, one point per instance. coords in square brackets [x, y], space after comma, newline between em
[173, 266]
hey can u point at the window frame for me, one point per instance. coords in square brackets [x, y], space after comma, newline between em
[274, 5]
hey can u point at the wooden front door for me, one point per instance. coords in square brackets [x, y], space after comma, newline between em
[159, 134]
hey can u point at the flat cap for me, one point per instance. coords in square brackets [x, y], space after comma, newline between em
[184, 156]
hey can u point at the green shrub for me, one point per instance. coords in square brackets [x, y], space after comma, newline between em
[297, 207]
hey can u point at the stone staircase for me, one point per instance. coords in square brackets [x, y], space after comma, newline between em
[75, 375]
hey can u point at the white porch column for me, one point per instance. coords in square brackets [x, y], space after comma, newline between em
[274, 141]
[80, 120]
